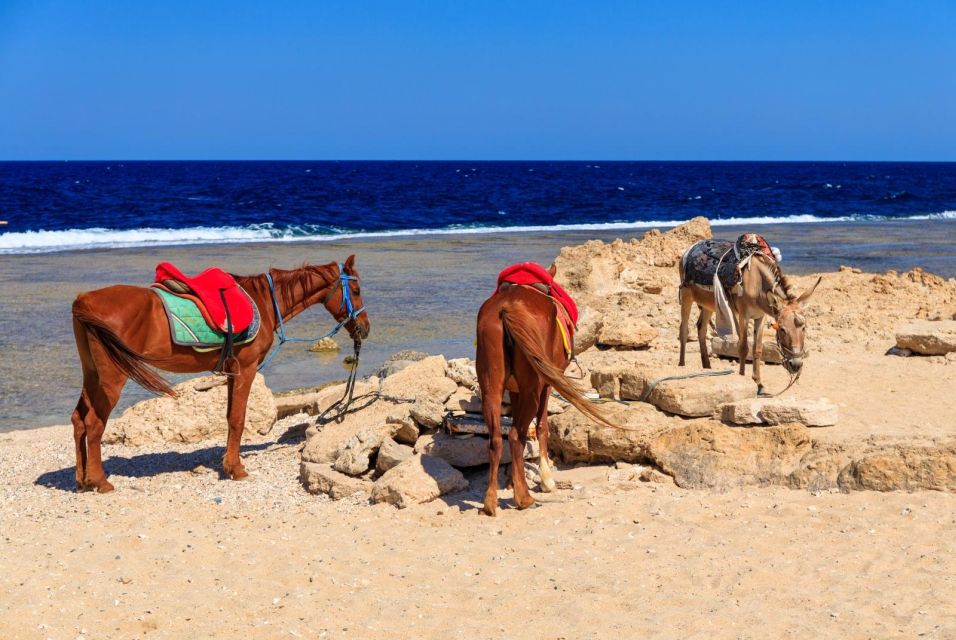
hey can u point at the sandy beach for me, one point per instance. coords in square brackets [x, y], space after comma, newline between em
[176, 551]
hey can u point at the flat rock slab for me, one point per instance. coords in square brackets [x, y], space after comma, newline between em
[422, 380]
[391, 454]
[812, 413]
[417, 479]
[729, 348]
[929, 338]
[467, 452]
[691, 397]
[322, 478]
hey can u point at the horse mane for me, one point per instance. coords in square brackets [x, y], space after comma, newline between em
[291, 279]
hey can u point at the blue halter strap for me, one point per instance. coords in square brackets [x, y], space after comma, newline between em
[352, 313]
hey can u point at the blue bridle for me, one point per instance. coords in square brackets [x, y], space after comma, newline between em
[351, 313]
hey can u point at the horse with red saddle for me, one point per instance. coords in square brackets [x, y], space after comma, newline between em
[525, 338]
[122, 332]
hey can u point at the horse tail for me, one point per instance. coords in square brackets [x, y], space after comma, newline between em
[529, 342]
[131, 363]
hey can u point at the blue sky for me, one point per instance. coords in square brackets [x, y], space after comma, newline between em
[478, 80]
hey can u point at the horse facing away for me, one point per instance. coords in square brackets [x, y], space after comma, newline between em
[520, 348]
[121, 329]
[764, 291]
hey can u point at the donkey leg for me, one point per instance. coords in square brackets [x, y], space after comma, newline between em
[758, 353]
[703, 323]
[686, 305]
[544, 463]
[743, 348]
[524, 412]
[238, 389]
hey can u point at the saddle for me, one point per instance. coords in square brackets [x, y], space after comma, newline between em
[724, 258]
[224, 305]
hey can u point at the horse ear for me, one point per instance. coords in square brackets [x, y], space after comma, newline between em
[773, 301]
[350, 263]
[553, 269]
[809, 292]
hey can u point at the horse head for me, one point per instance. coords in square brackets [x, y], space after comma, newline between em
[790, 323]
[344, 301]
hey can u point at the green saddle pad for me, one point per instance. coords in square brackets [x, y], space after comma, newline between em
[189, 328]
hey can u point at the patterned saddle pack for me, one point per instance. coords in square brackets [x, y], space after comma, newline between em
[724, 258]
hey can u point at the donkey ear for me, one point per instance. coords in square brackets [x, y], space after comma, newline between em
[553, 269]
[774, 302]
[809, 292]
[350, 263]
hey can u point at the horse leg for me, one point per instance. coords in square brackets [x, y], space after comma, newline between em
[102, 384]
[686, 305]
[490, 363]
[238, 387]
[703, 323]
[544, 464]
[524, 411]
[758, 352]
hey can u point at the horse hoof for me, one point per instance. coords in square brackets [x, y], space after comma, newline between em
[529, 504]
[548, 486]
[104, 487]
[760, 390]
[489, 511]
[239, 475]
[84, 488]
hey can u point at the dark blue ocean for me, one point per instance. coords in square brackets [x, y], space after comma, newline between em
[54, 206]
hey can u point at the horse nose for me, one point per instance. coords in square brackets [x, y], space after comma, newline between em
[795, 363]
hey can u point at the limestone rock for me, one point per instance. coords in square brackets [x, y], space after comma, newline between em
[405, 430]
[355, 455]
[728, 348]
[325, 345]
[390, 454]
[464, 400]
[315, 402]
[812, 413]
[709, 454]
[462, 371]
[928, 338]
[902, 470]
[573, 437]
[625, 330]
[424, 379]
[590, 323]
[324, 443]
[467, 452]
[698, 397]
[428, 413]
[192, 416]
[417, 479]
[322, 478]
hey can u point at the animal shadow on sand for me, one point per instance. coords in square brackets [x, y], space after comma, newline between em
[150, 464]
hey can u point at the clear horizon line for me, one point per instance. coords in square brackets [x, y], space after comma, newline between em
[486, 160]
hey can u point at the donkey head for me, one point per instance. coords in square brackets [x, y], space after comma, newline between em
[790, 324]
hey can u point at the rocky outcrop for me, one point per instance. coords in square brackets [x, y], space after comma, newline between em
[691, 397]
[424, 379]
[902, 469]
[626, 331]
[418, 479]
[812, 413]
[196, 413]
[928, 338]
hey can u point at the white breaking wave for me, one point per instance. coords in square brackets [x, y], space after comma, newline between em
[16, 242]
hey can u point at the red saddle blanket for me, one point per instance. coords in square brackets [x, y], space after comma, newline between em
[214, 289]
[532, 273]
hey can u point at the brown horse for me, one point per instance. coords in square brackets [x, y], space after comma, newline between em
[765, 291]
[520, 348]
[121, 329]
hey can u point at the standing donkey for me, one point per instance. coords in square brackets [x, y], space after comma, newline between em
[762, 290]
